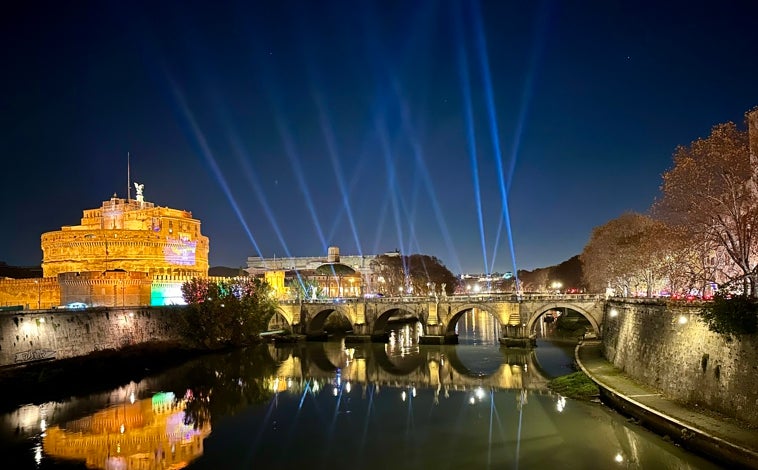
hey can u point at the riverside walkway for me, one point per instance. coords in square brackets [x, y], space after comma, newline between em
[722, 439]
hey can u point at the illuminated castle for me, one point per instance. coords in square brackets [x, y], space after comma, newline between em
[127, 252]
[129, 235]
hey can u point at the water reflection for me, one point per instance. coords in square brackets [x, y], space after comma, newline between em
[337, 405]
[146, 434]
[429, 367]
[477, 327]
[404, 338]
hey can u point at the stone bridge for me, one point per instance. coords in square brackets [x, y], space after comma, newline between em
[517, 315]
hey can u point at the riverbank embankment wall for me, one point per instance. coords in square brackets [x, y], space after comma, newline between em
[27, 337]
[666, 346]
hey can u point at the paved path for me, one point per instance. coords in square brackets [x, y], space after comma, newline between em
[722, 439]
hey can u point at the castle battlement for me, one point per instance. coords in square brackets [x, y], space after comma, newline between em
[132, 235]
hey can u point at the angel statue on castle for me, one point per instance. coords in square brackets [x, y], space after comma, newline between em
[139, 188]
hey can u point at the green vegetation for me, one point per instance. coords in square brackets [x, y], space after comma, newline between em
[227, 313]
[731, 316]
[302, 288]
[576, 385]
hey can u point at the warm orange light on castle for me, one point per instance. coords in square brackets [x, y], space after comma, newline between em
[130, 235]
[146, 434]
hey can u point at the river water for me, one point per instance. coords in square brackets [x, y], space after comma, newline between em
[335, 405]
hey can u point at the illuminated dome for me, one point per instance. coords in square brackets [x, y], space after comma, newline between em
[335, 269]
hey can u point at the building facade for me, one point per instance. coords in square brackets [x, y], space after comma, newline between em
[128, 252]
[327, 273]
[131, 235]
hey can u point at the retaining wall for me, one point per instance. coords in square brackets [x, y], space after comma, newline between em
[683, 359]
[58, 334]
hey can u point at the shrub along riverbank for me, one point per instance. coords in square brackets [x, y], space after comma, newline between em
[576, 385]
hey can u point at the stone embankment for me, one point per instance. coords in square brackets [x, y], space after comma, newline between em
[667, 347]
[31, 337]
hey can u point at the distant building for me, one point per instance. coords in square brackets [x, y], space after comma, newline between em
[327, 273]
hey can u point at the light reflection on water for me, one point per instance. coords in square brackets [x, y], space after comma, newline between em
[337, 405]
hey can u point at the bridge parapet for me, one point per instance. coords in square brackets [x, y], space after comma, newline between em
[517, 314]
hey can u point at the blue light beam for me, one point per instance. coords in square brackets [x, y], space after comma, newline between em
[470, 130]
[526, 98]
[492, 118]
[201, 142]
[328, 132]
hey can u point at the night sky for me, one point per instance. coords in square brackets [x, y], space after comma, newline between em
[287, 127]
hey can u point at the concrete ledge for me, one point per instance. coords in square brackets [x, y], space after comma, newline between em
[288, 339]
[431, 339]
[687, 435]
[524, 343]
[358, 339]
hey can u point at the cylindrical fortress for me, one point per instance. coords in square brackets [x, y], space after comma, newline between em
[128, 235]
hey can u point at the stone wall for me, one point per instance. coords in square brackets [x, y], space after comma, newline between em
[40, 293]
[56, 334]
[666, 346]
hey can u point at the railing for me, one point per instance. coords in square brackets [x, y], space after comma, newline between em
[452, 298]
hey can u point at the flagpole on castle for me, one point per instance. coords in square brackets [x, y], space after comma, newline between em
[128, 179]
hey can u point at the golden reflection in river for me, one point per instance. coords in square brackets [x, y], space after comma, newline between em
[477, 327]
[147, 434]
[404, 339]
[329, 366]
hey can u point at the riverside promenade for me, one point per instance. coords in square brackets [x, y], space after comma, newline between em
[718, 438]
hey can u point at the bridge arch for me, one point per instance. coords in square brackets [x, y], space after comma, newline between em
[279, 320]
[394, 313]
[541, 309]
[452, 321]
[318, 320]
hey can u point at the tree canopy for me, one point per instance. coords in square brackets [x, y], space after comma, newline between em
[710, 194]
[702, 229]
[415, 274]
[627, 254]
[227, 312]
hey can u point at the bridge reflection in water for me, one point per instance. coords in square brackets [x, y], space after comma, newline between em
[337, 405]
[441, 368]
